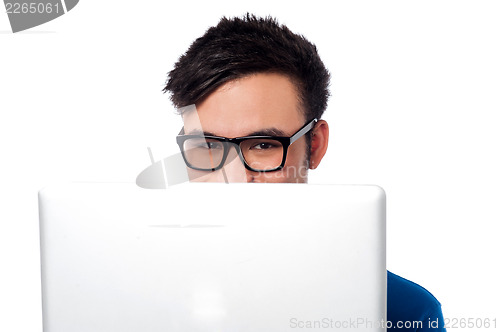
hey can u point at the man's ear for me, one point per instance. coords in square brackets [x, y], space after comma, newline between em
[319, 143]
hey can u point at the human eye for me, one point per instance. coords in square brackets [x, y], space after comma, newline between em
[265, 145]
[203, 144]
[210, 145]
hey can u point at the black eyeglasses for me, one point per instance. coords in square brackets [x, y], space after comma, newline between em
[258, 153]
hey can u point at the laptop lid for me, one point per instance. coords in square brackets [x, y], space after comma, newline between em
[212, 257]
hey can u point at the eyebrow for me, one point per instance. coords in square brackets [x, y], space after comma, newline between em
[263, 132]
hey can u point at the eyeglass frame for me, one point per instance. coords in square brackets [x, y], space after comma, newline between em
[236, 141]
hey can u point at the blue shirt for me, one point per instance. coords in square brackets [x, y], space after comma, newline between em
[411, 307]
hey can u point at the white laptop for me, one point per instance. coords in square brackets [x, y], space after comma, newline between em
[212, 257]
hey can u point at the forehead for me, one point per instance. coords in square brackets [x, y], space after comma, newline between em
[246, 105]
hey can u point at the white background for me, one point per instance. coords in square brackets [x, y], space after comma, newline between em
[415, 109]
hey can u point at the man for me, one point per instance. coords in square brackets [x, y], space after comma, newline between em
[256, 92]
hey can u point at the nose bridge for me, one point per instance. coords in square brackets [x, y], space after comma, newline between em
[233, 153]
[233, 167]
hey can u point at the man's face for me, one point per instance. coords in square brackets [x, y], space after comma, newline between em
[260, 104]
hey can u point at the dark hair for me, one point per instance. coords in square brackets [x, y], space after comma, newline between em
[239, 47]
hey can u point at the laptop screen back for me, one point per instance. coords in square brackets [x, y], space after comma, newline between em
[212, 257]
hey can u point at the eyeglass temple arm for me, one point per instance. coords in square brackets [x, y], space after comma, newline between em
[303, 131]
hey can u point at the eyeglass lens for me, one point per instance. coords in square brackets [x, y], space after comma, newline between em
[259, 154]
